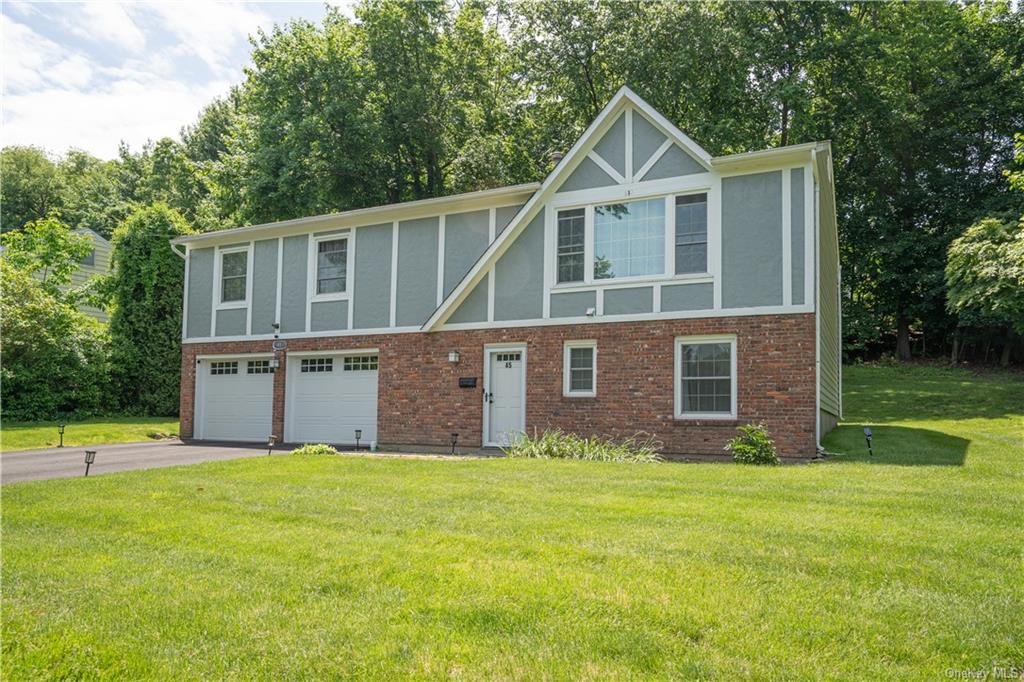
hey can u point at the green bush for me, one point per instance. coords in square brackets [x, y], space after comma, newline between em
[314, 449]
[753, 446]
[55, 359]
[558, 444]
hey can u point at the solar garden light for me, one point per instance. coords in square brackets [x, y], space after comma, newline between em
[60, 430]
[271, 442]
[455, 439]
[359, 434]
[867, 437]
[90, 457]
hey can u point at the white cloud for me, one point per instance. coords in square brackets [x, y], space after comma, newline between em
[212, 31]
[105, 22]
[25, 55]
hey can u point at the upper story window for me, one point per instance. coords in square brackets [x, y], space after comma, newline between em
[629, 239]
[233, 268]
[571, 236]
[663, 236]
[691, 234]
[89, 258]
[331, 265]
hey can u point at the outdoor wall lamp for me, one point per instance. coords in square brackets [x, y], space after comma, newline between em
[359, 434]
[60, 430]
[455, 439]
[453, 357]
[90, 457]
[271, 442]
[867, 437]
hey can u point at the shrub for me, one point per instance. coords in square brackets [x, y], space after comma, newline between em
[54, 357]
[753, 446]
[314, 449]
[557, 444]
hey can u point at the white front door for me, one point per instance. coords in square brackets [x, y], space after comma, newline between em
[505, 395]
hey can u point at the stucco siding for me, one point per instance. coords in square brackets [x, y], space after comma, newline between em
[417, 271]
[503, 216]
[231, 322]
[519, 276]
[797, 233]
[687, 297]
[293, 284]
[673, 163]
[474, 307]
[573, 303]
[328, 316]
[200, 293]
[612, 147]
[752, 240]
[372, 278]
[587, 175]
[465, 238]
[629, 301]
[646, 140]
[264, 286]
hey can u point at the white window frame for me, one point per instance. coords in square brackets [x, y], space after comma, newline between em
[218, 292]
[566, 375]
[314, 248]
[678, 377]
[593, 200]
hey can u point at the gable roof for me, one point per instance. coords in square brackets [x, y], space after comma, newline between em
[579, 152]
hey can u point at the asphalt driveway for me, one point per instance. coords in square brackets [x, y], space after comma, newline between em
[34, 465]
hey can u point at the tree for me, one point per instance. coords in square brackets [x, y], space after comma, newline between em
[54, 357]
[31, 186]
[48, 249]
[145, 326]
[92, 196]
[985, 276]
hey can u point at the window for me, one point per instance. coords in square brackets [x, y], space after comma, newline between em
[579, 370]
[571, 233]
[691, 233]
[629, 239]
[259, 367]
[331, 266]
[89, 258]
[317, 365]
[507, 357]
[706, 377]
[233, 266]
[356, 363]
[223, 368]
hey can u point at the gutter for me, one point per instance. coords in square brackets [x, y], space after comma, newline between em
[179, 254]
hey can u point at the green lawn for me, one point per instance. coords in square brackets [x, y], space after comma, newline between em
[906, 565]
[102, 430]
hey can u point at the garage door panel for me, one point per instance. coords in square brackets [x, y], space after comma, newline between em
[233, 404]
[328, 406]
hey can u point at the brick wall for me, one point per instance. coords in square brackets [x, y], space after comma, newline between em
[420, 402]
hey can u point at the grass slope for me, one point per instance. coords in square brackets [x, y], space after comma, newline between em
[101, 430]
[905, 566]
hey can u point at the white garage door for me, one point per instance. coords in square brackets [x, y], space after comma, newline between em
[234, 399]
[330, 396]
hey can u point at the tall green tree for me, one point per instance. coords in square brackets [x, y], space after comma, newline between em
[145, 326]
[30, 188]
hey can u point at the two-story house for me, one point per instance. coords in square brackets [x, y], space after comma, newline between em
[643, 286]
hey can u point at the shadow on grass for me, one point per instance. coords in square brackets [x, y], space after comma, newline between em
[898, 445]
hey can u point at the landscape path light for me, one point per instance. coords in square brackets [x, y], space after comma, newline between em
[359, 434]
[455, 439]
[90, 457]
[60, 430]
[271, 442]
[867, 437]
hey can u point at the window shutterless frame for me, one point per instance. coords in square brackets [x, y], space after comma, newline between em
[574, 366]
[219, 275]
[314, 265]
[678, 367]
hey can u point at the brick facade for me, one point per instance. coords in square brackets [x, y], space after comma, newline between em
[420, 403]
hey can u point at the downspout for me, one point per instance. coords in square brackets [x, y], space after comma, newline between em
[180, 254]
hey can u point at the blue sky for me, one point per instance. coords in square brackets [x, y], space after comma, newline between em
[91, 74]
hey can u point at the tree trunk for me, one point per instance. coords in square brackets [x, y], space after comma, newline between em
[1004, 361]
[956, 350]
[902, 338]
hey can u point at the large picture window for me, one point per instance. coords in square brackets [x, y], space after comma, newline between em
[691, 234]
[331, 266]
[706, 377]
[233, 266]
[629, 239]
[571, 235]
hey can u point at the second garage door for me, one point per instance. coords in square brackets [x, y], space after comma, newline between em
[329, 397]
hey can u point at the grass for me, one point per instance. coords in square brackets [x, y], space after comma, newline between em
[101, 430]
[905, 565]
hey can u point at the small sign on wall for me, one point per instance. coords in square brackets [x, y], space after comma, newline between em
[279, 344]
[467, 382]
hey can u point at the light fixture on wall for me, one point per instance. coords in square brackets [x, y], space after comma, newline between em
[591, 312]
[453, 357]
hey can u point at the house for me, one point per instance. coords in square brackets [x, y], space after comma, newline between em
[96, 262]
[643, 286]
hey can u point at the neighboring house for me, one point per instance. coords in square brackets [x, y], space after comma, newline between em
[644, 286]
[97, 262]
